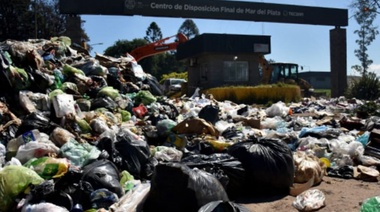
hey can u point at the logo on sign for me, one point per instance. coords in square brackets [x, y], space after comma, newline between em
[130, 4]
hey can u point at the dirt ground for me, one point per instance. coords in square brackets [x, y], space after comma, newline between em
[341, 195]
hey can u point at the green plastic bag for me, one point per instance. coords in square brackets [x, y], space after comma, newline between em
[69, 70]
[84, 126]
[125, 115]
[69, 86]
[13, 181]
[109, 91]
[144, 97]
[17, 77]
[371, 205]
[79, 154]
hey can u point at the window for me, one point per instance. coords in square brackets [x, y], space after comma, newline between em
[235, 71]
[204, 72]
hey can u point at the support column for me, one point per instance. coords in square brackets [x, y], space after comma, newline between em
[338, 61]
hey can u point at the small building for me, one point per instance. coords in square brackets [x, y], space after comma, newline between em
[216, 60]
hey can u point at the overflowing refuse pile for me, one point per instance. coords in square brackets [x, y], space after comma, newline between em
[83, 134]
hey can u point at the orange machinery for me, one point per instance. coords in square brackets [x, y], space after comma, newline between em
[158, 47]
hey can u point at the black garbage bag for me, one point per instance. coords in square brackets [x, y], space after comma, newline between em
[223, 206]
[103, 174]
[40, 82]
[154, 85]
[45, 192]
[268, 164]
[135, 154]
[175, 187]
[103, 102]
[227, 169]
[36, 120]
[209, 113]
[73, 185]
[97, 84]
[107, 146]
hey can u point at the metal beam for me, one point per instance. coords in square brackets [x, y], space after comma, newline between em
[210, 9]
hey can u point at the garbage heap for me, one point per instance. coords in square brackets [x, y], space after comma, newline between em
[87, 134]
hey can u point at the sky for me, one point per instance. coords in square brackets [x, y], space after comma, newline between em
[307, 45]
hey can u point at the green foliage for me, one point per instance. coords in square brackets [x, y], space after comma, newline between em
[121, 47]
[365, 14]
[369, 108]
[367, 87]
[153, 33]
[189, 28]
[181, 75]
[25, 19]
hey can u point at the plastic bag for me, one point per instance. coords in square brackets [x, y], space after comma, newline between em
[61, 136]
[103, 174]
[309, 200]
[35, 150]
[79, 154]
[209, 113]
[144, 97]
[277, 109]
[108, 92]
[133, 200]
[43, 207]
[13, 181]
[196, 188]
[269, 165]
[308, 167]
[3, 151]
[164, 127]
[134, 152]
[63, 105]
[163, 153]
[371, 204]
[223, 206]
[48, 167]
[103, 198]
[227, 169]
[37, 120]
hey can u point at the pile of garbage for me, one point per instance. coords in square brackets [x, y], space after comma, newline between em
[79, 133]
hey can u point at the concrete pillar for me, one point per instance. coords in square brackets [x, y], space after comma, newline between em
[338, 61]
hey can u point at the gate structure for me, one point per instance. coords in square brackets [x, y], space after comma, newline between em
[232, 10]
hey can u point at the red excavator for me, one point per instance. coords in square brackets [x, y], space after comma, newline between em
[158, 47]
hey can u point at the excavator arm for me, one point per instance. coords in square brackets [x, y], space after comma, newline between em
[158, 47]
[266, 70]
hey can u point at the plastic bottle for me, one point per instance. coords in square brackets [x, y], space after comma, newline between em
[32, 135]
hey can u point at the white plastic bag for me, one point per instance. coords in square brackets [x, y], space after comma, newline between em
[64, 105]
[277, 109]
[164, 153]
[35, 150]
[43, 207]
[131, 200]
[310, 200]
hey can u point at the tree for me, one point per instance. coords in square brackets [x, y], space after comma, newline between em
[153, 33]
[189, 28]
[365, 14]
[25, 19]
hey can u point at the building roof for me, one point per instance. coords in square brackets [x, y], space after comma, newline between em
[224, 44]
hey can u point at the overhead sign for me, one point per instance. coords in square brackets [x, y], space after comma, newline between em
[210, 9]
